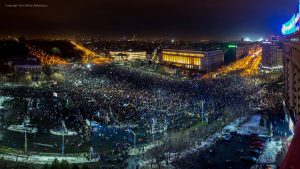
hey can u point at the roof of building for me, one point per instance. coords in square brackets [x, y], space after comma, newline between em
[24, 60]
[208, 52]
[291, 160]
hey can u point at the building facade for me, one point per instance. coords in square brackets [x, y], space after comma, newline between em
[25, 64]
[128, 55]
[200, 60]
[241, 51]
[272, 55]
[292, 76]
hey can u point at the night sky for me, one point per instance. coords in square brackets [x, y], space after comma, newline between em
[180, 19]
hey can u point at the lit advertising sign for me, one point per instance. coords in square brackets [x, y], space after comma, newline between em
[232, 46]
[291, 26]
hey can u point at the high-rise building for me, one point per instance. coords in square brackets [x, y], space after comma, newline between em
[292, 76]
[234, 52]
[201, 60]
[292, 85]
[272, 55]
[275, 38]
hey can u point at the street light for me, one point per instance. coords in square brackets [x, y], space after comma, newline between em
[63, 142]
[203, 115]
[134, 137]
[25, 125]
[152, 128]
[64, 128]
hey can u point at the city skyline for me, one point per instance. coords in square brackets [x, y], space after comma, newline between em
[212, 20]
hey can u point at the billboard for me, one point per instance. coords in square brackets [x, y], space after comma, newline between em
[292, 25]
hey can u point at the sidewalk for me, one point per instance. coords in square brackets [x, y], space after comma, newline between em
[43, 159]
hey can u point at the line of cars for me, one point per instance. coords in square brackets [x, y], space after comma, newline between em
[256, 147]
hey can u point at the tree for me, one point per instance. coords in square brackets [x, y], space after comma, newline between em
[26, 78]
[55, 164]
[22, 39]
[64, 164]
[85, 167]
[75, 166]
[45, 166]
[3, 78]
[47, 70]
[58, 77]
[156, 155]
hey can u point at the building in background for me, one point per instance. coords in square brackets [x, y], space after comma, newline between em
[234, 52]
[128, 55]
[272, 56]
[242, 50]
[275, 38]
[230, 53]
[25, 64]
[200, 60]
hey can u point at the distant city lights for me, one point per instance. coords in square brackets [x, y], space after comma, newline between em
[247, 39]
[260, 39]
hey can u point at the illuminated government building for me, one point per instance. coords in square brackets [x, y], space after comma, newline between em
[128, 55]
[200, 60]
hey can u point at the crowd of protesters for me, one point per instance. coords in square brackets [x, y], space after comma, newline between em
[125, 96]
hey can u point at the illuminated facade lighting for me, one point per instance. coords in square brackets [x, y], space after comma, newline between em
[128, 55]
[201, 60]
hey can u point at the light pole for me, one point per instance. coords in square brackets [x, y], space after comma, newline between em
[25, 145]
[152, 129]
[63, 138]
[202, 111]
[102, 83]
[25, 126]
[63, 142]
[134, 137]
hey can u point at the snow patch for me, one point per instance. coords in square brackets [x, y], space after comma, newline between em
[272, 148]
[252, 127]
[3, 99]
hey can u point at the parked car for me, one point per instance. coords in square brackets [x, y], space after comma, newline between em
[248, 159]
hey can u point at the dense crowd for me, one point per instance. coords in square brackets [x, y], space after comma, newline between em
[125, 96]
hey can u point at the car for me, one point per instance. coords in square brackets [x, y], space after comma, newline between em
[254, 151]
[254, 136]
[257, 144]
[248, 159]
[256, 147]
[226, 136]
[257, 139]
